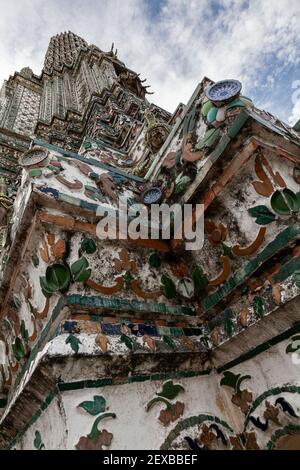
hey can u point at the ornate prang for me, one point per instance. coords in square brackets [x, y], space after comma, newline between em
[63, 51]
[103, 295]
[26, 72]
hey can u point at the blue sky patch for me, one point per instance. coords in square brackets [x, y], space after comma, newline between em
[173, 43]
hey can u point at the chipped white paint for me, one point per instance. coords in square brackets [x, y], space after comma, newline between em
[202, 395]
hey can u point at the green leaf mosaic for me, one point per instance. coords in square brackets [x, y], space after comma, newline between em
[74, 342]
[98, 405]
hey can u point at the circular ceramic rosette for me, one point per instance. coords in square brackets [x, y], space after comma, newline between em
[223, 91]
[152, 196]
[36, 157]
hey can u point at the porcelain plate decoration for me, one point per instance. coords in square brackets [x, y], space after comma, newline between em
[224, 90]
[34, 157]
[152, 196]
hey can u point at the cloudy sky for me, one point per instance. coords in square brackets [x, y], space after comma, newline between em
[173, 43]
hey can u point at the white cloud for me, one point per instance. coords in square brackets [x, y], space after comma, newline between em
[185, 41]
[295, 115]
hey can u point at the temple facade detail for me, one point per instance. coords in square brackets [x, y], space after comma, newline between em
[112, 341]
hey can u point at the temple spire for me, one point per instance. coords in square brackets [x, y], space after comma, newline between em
[63, 50]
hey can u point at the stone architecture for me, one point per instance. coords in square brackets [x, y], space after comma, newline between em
[140, 343]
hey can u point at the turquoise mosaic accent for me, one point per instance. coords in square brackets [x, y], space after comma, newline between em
[225, 140]
[95, 406]
[126, 305]
[262, 215]
[89, 161]
[38, 443]
[74, 342]
[259, 306]
[35, 172]
[238, 123]
[78, 202]
[75, 201]
[287, 269]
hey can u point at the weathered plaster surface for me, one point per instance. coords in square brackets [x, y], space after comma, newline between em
[201, 395]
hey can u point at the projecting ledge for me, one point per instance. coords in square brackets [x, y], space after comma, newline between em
[60, 367]
[281, 324]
